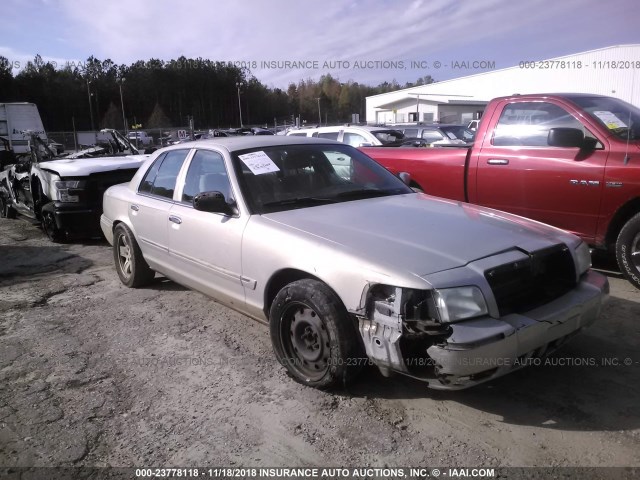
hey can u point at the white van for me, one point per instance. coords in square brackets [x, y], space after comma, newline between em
[17, 118]
[356, 136]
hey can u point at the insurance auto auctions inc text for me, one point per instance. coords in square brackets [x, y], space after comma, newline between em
[362, 64]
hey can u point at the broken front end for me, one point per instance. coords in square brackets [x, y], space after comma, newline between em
[521, 306]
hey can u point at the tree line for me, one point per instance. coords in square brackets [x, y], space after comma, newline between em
[165, 94]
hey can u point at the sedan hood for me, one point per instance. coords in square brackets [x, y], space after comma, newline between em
[82, 167]
[419, 233]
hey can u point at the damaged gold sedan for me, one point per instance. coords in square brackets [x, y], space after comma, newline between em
[347, 264]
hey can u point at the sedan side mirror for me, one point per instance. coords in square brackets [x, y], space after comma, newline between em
[213, 202]
[566, 137]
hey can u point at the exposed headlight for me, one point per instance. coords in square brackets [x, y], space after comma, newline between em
[65, 190]
[458, 303]
[583, 258]
[425, 310]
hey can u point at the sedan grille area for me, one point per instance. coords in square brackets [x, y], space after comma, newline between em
[527, 284]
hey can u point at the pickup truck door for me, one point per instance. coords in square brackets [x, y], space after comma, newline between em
[205, 247]
[149, 210]
[518, 172]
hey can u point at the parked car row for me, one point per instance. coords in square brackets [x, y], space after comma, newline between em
[392, 135]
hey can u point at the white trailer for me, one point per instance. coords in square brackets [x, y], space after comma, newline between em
[18, 118]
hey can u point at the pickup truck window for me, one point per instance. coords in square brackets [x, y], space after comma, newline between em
[353, 139]
[528, 124]
[161, 178]
[329, 135]
[431, 136]
[620, 118]
[206, 173]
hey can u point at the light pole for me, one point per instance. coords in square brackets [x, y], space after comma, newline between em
[239, 106]
[120, 81]
[90, 105]
[319, 114]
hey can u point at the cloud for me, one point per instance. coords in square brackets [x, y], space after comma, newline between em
[332, 30]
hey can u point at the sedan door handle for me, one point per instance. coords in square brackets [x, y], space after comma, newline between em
[175, 219]
[498, 161]
[135, 208]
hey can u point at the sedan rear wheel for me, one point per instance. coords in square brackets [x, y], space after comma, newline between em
[313, 335]
[132, 268]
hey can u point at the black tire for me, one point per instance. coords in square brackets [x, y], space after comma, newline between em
[50, 227]
[628, 250]
[313, 336]
[6, 210]
[131, 266]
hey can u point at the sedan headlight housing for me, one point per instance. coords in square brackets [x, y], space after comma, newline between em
[424, 310]
[460, 303]
[583, 258]
[67, 190]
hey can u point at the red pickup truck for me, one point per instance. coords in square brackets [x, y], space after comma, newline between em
[568, 160]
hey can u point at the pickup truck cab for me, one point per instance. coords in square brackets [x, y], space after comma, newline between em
[568, 160]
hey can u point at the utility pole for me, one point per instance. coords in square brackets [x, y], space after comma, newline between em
[319, 114]
[239, 106]
[120, 81]
[90, 105]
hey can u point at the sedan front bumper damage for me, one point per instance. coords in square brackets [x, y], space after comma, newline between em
[485, 348]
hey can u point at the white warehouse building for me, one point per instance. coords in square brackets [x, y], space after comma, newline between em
[608, 71]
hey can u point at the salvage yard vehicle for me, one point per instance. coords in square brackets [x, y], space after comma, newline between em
[569, 160]
[140, 138]
[351, 266]
[17, 118]
[63, 194]
[438, 134]
[356, 136]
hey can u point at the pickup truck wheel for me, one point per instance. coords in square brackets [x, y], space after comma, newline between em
[50, 227]
[131, 266]
[628, 250]
[313, 336]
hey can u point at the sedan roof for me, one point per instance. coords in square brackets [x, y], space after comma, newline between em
[233, 144]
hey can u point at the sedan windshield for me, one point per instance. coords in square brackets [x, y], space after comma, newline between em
[621, 118]
[287, 177]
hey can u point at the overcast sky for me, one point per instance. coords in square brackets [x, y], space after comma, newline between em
[375, 40]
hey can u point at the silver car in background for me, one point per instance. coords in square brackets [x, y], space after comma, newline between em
[347, 264]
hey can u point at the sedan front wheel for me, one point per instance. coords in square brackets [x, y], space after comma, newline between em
[313, 335]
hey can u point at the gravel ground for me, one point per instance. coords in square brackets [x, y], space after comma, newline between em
[95, 374]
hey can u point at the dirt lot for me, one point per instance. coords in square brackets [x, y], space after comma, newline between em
[95, 374]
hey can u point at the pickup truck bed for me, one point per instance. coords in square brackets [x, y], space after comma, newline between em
[443, 177]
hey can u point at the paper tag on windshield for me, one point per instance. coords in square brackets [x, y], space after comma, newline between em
[610, 120]
[259, 163]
